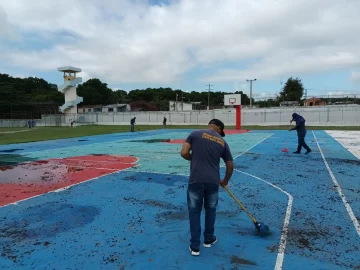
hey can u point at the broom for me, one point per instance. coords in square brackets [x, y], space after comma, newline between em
[286, 150]
[259, 226]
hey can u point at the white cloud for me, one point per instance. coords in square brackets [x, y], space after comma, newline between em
[129, 41]
[355, 76]
[6, 30]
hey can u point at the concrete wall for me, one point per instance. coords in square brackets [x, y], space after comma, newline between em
[13, 123]
[315, 116]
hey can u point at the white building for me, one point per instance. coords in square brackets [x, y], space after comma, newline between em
[104, 109]
[183, 106]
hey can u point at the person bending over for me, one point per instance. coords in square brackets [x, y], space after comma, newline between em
[301, 132]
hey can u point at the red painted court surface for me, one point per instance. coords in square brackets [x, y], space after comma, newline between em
[26, 180]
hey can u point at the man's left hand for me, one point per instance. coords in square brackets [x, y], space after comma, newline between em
[224, 183]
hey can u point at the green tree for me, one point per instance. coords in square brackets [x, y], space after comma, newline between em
[121, 96]
[28, 97]
[95, 92]
[36, 96]
[293, 90]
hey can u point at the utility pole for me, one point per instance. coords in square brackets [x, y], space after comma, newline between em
[305, 96]
[175, 109]
[182, 100]
[208, 106]
[251, 90]
[279, 97]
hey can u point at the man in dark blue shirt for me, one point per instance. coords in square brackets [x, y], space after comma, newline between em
[164, 122]
[206, 147]
[301, 131]
[132, 123]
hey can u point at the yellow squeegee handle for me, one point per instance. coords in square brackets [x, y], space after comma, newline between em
[239, 203]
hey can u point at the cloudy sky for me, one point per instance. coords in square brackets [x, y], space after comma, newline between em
[186, 44]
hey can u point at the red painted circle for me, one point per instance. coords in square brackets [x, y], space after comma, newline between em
[26, 180]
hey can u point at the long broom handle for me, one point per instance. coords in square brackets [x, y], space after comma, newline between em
[242, 207]
[287, 138]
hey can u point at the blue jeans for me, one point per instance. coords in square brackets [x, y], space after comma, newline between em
[301, 142]
[197, 196]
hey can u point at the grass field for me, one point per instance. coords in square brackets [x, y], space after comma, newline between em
[24, 135]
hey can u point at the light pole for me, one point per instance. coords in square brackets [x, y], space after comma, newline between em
[175, 109]
[182, 101]
[208, 106]
[251, 90]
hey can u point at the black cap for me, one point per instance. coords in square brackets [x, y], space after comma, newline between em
[220, 124]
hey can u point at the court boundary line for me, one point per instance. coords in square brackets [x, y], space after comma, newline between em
[339, 190]
[16, 131]
[284, 233]
[247, 150]
[50, 164]
[283, 238]
[67, 187]
[96, 168]
[285, 229]
[94, 143]
[90, 161]
[342, 143]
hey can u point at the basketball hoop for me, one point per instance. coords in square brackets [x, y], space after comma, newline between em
[234, 100]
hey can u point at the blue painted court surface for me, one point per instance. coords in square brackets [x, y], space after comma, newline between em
[137, 218]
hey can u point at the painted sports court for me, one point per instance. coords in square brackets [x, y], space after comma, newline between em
[119, 202]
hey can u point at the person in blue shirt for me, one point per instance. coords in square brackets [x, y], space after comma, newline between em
[164, 122]
[301, 131]
[132, 123]
[207, 147]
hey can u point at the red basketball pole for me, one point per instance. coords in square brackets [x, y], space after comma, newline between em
[238, 116]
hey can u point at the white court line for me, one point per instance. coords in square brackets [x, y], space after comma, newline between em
[67, 187]
[90, 161]
[174, 174]
[49, 164]
[283, 239]
[247, 150]
[96, 168]
[16, 131]
[341, 193]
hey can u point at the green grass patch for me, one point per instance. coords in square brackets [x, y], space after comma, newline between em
[54, 133]
[2, 130]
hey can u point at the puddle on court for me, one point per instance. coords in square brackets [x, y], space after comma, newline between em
[13, 159]
[33, 172]
[237, 260]
[154, 203]
[11, 150]
[24, 180]
[184, 214]
[167, 179]
[150, 141]
[20, 235]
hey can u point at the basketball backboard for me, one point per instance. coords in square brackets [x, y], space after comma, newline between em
[234, 99]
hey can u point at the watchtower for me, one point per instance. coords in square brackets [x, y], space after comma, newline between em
[69, 89]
